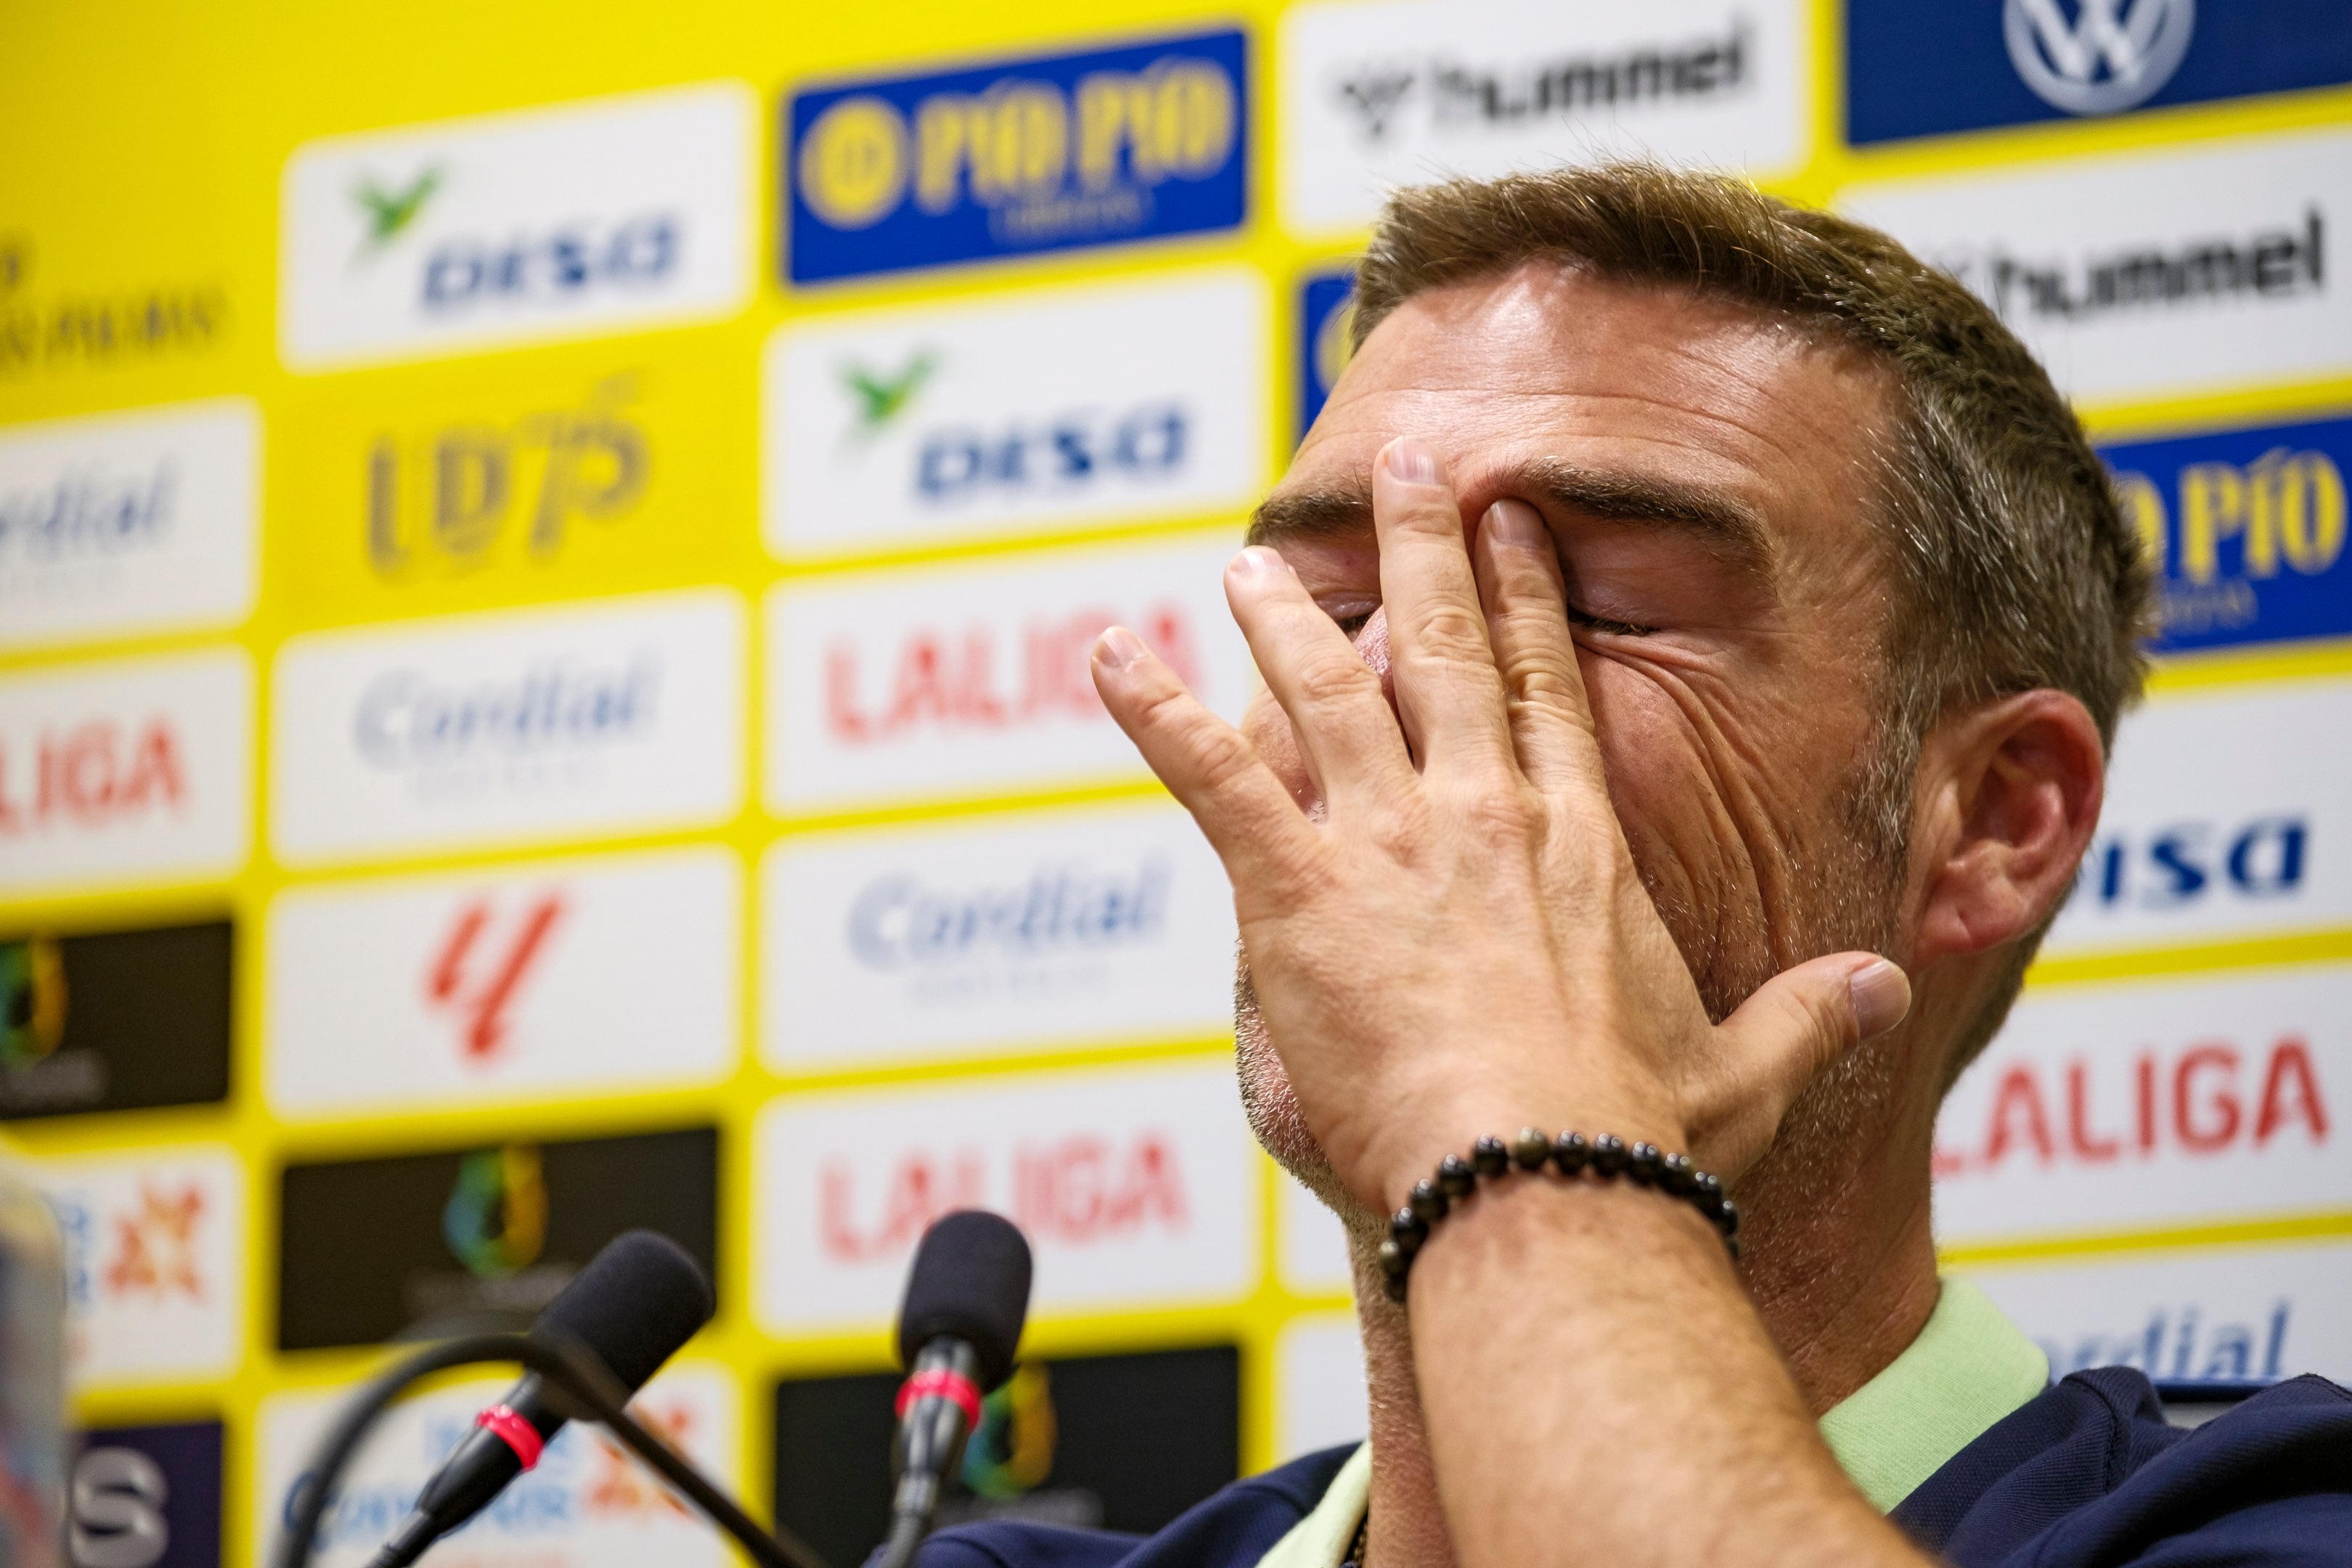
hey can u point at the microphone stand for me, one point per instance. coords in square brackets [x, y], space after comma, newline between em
[580, 1376]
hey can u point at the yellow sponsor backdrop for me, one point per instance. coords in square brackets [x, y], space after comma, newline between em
[140, 257]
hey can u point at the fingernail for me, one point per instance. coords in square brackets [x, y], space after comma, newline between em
[1514, 523]
[1881, 994]
[1118, 648]
[1412, 462]
[1258, 561]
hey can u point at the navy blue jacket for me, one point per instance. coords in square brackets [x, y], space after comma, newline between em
[2086, 1473]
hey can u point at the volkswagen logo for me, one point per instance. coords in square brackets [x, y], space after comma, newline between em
[2113, 56]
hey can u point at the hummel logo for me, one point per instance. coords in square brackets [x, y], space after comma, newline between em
[881, 399]
[388, 213]
[1375, 97]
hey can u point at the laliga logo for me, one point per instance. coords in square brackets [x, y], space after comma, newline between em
[2114, 56]
[496, 1220]
[32, 1001]
[481, 1009]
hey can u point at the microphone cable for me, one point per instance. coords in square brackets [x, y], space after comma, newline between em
[577, 1373]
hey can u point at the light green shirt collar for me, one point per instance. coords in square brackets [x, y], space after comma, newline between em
[1969, 1368]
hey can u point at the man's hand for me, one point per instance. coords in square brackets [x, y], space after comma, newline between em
[1462, 944]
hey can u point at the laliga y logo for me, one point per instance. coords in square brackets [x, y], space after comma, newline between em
[2113, 55]
[544, 224]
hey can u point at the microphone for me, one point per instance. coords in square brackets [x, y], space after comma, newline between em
[959, 1331]
[633, 1306]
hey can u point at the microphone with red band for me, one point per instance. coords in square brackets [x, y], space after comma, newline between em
[967, 1297]
[632, 1306]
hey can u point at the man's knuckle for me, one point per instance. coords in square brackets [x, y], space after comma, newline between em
[1324, 680]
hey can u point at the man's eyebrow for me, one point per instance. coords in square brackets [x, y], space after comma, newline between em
[1730, 527]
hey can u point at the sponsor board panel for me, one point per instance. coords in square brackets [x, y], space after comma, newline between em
[566, 221]
[567, 978]
[587, 1504]
[1037, 153]
[114, 1020]
[1405, 92]
[1134, 1186]
[1015, 414]
[2154, 273]
[155, 1262]
[2246, 529]
[2110, 1107]
[126, 772]
[1324, 310]
[1039, 931]
[1965, 65]
[509, 727]
[1313, 1258]
[146, 1496]
[478, 482]
[2225, 811]
[464, 1238]
[123, 524]
[970, 680]
[1059, 1443]
[2233, 1314]
[1318, 1385]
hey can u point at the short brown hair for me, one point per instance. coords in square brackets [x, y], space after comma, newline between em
[2014, 568]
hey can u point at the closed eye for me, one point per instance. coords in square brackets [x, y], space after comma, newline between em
[1603, 624]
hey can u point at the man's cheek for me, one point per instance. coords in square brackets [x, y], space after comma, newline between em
[1267, 728]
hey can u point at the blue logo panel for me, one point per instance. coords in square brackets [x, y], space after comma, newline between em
[1050, 153]
[1917, 70]
[1323, 301]
[146, 1496]
[2248, 526]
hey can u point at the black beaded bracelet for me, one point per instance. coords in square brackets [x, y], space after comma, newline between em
[1606, 1155]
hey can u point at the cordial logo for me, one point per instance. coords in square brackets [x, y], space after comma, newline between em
[961, 680]
[2103, 1108]
[128, 523]
[524, 984]
[548, 223]
[1017, 414]
[1133, 1185]
[1018, 933]
[2111, 56]
[155, 1262]
[519, 725]
[1405, 92]
[2153, 272]
[123, 772]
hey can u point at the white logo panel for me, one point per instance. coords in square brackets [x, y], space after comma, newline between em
[2145, 274]
[2114, 1107]
[550, 223]
[2233, 1315]
[575, 977]
[1134, 1186]
[126, 772]
[1015, 414]
[968, 679]
[1408, 91]
[2226, 816]
[1319, 1384]
[1084, 928]
[587, 1504]
[119, 524]
[155, 1262]
[1313, 1253]
[520, 726]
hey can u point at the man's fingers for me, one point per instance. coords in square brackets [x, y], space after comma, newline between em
[1526, 623]
[1448, 694]
[1785, 1035]
[1347, 735]
[1247, 815]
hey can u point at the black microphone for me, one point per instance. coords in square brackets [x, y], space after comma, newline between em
[959, 1331]
[633, 1306]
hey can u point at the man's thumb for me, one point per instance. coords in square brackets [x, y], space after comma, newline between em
[1805, 1018]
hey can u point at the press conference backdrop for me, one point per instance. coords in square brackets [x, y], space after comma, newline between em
[546, 558]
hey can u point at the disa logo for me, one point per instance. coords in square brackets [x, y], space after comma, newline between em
[1036, 154]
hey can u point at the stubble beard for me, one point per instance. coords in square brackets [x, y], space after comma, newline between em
[1842, 896]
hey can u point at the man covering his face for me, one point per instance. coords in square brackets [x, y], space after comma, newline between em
[1694, 630]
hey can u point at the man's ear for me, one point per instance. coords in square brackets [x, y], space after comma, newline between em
[2010, 794]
